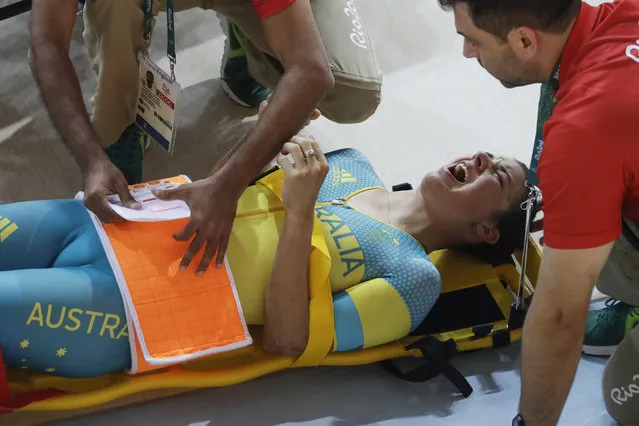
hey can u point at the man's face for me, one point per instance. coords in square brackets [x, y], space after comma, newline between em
[496, 56]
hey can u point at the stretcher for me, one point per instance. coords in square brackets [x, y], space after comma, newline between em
[481, 306]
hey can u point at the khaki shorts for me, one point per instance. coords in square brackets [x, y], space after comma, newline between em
[620, 382]
[113, 35]
[623, 262]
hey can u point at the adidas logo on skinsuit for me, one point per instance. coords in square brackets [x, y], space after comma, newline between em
[6, 228]
[342, 176]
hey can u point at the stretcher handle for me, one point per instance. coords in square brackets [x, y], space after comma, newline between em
[534, 199]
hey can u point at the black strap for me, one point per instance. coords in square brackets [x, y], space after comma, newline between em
[436, 355]
[402, 187]
[14, 9]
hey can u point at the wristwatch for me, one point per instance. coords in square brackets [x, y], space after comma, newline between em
[519, 421]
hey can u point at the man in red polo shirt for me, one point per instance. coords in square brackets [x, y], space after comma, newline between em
[586, 160]
[318, 54]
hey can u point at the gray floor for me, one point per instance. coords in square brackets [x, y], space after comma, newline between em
[365, 395]
[436, 106]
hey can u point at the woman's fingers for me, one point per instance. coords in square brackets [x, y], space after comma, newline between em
[285, 163]
[311, 149]
[307, 148]
[319, 154]
[285, 159]
[295, 151]
[304, 151]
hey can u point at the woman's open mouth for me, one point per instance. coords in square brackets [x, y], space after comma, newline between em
[459, 172]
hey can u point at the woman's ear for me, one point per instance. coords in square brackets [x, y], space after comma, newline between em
[487, 232]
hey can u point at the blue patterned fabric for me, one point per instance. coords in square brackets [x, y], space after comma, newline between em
[371, 255]
[60, 306]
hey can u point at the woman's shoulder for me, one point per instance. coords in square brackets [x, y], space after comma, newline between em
[348, 154]
[349, 172]
[408, 263]
[418, 282]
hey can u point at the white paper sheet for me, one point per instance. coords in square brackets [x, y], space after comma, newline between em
[153, 210]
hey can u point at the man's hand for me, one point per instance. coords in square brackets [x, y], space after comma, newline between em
[101, 181]
[51, 27]
[294, 37]
[554, 329]
[213, 205]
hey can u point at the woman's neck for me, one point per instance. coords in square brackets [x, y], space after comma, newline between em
[409, 212]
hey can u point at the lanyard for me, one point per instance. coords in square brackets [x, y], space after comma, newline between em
[547, 102]
[148, 28]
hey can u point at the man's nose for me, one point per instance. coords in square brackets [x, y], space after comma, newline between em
[469, 51]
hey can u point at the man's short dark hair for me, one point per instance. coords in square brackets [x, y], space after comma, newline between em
[499, 17]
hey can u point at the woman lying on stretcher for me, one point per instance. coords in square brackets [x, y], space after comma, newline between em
[61, 311]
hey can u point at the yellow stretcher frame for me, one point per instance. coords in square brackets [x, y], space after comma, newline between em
[116, 390]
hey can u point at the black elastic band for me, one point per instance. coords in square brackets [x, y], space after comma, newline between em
[436, 355]
[14, 9]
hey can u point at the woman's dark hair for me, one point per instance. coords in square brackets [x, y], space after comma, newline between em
[512, 227]
[499, 17]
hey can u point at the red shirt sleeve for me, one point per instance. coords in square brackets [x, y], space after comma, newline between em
[582, 183]
[267, 8]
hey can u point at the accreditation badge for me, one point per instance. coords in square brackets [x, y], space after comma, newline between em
[156, 111]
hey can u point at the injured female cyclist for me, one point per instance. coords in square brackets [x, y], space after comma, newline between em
[62, 312]
[60, 304]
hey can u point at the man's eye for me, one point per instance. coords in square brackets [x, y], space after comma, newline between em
[501, 179]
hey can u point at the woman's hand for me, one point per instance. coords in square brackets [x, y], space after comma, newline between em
[305, 168]
[316, 114]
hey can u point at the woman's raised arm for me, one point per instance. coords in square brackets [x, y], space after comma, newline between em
[286, 322]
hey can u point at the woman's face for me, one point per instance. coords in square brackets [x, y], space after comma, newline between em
[474, 189]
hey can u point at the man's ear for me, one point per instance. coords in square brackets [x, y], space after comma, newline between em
[487, 232]
[524, 42]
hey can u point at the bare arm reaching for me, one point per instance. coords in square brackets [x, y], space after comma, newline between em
[554, 330]
[293, 36]
[51, 28]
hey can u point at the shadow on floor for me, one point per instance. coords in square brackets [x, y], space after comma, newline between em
[210, 124]
[348, 396]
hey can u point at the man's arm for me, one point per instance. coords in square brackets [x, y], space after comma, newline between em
[295, 39]
[51, 28]
[554, 329]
